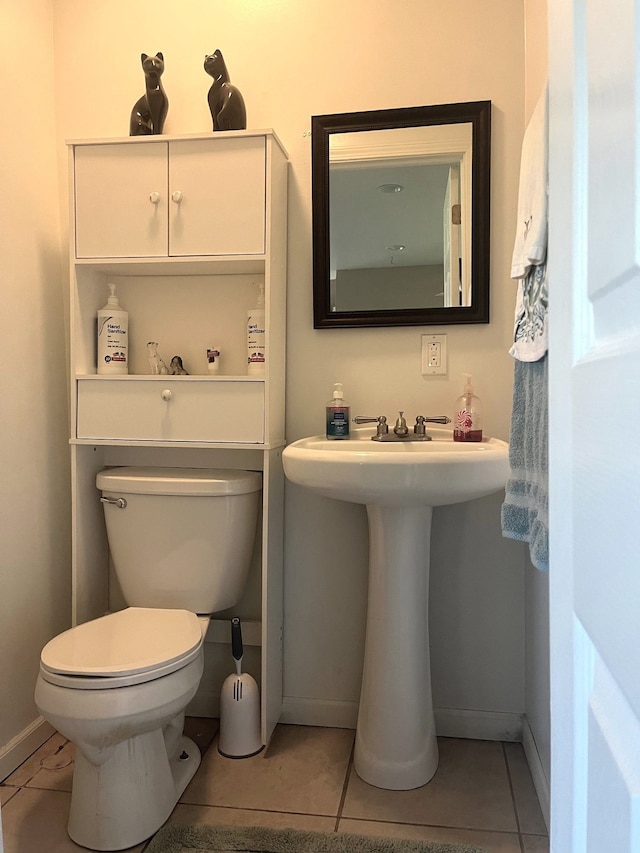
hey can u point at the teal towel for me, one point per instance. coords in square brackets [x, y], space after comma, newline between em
[525, 511]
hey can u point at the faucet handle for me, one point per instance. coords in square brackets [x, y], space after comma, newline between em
[439, 419]
[381, 420]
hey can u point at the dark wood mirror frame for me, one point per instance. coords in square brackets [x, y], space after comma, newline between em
[478, 114]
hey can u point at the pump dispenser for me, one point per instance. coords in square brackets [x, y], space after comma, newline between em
[256, 343]
[113, 337]
[338, 412]
[467, 423]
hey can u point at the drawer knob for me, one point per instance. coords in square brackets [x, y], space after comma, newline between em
[154, 198]
[166, 395]
[176, 196]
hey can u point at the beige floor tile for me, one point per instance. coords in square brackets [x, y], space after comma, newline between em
[535, 844]
[493, 842]
[212, 815]
[33, 764]
[56, 770]
[35, 821]
[7, 793]
[527, 805]
[303, 771]
[470, 790]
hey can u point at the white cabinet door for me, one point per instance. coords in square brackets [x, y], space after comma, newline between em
[121, 200]
[179, 198]
[218, 196]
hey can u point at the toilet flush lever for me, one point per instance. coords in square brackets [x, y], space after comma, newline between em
[119, 502]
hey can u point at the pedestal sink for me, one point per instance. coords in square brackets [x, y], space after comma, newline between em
[399, 483]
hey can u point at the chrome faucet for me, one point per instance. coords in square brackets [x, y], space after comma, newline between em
[401, 430]
[401, 427]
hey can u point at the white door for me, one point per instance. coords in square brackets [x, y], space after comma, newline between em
[451, 239]
[594, 285]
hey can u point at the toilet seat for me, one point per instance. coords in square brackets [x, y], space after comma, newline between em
[128, 647]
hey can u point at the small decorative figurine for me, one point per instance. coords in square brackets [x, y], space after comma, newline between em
[176, 368]
[150, 111]
[158, 367]
[213, 359]
[225, 100]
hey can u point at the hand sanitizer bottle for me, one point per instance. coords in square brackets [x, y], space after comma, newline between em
[113, 337]
[467, 422]
[256, 343]
[338, 412]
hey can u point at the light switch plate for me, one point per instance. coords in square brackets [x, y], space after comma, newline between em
[434, 355]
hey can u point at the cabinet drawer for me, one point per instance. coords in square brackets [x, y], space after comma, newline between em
[184, 409]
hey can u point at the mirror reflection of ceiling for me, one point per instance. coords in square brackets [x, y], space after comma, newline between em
[387, 195]
[370, 218]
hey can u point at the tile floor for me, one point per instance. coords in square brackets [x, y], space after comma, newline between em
[482, 793]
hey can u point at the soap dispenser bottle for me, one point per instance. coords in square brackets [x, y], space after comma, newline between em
[113, 337]
[256, 343]
[338, 412]
[467, 423]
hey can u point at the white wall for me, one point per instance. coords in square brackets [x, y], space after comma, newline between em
[293, 60]
[34, 495]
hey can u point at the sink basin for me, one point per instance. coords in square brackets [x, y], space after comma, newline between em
[429, 473]
[400, 483]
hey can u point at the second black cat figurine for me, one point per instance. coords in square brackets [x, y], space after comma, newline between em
[150, 111]
[225, 100]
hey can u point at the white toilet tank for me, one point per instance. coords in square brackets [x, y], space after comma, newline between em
[181, 537]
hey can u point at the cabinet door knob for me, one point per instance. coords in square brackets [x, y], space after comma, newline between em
[154, 198]
[176, 196]
[166, 395]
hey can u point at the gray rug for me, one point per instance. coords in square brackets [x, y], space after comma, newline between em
[176, 838]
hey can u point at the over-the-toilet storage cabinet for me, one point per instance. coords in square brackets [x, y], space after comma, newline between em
[187, 228]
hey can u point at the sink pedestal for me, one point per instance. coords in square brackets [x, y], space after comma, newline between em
[396, 745]
[400, 483]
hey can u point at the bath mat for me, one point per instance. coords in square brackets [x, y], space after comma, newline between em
[176, 838]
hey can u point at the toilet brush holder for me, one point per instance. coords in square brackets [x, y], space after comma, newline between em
[240, 730]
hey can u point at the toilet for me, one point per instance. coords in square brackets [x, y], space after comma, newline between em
[181, 541]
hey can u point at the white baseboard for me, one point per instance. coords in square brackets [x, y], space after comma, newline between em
[477, 725]
[333, 713]
[540, 781]
[23, 745]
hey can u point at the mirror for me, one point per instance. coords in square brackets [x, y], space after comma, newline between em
[401, 205]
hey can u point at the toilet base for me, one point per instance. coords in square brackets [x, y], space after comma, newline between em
[123, 801]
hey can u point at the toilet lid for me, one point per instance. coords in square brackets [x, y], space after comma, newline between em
[125, 643]
[206, 482]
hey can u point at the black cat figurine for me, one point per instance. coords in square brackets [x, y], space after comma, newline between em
[225, 100]
[149, 113]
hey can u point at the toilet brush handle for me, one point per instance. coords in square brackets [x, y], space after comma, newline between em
[236, 639]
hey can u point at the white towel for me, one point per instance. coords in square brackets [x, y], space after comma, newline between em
[531, 233]
[530, 334]
[529, 268]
